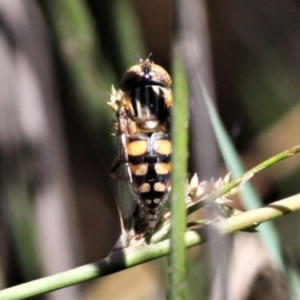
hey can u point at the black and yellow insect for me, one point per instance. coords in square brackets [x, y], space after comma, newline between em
[143, 107]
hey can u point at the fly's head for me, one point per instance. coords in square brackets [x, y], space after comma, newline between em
[145, 73]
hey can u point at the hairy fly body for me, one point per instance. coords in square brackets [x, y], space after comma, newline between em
[142, 107]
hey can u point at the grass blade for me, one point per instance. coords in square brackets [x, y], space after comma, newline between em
[179, 165]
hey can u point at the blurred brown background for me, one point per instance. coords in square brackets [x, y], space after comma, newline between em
[58, 60]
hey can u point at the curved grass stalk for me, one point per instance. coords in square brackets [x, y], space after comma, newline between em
[131, 257]
[247, 176]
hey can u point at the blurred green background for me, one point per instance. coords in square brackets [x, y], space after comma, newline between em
[58, 62]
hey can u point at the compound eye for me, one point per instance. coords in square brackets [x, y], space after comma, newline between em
[131, 76]
[161, 76]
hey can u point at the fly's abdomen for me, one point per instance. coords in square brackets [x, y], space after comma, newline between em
[150, 166]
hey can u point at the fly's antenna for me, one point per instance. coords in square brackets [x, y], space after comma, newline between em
[140, 60]
[148, 58]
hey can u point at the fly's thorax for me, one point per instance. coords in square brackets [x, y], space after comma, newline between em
[147, 96]
[149, 106]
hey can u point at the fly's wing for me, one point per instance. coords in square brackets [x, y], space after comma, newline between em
[126, 198]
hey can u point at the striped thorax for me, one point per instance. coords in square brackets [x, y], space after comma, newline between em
[146, 97]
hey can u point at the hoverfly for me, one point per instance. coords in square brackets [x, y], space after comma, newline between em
[142, 107]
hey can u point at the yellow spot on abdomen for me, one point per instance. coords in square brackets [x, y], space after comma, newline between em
[159, 187]
[137, 148]
[163, 147]
[138, 170]
[162, 168]
[144, 188]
